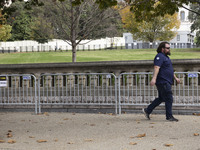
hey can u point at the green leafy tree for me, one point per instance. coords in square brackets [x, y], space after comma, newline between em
[42, 27]
[195, 19]
[21, 28]
[141, 8]
[26, 25]
[147, 9]
[41, 30]
[21, 22]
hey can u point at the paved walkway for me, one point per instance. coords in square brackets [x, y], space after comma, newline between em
[70, 131]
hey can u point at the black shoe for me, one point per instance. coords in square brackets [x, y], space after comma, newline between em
[145, 113]
[172, 119]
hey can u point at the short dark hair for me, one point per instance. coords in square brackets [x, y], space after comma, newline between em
[162, 45]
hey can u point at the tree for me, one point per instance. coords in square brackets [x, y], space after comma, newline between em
[21, 22]
[141, 8]
[195, 19]
[145, 9]
[5, 32]
[27, 25]
[5, 29]
[76, 23]
[41, 30]
[160, 28]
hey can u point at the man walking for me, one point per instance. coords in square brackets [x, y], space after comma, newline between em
[163, 77]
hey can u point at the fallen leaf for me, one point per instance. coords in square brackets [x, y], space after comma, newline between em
[56, 140]
[41, 141]
[2, 141]
[132, 143]
[9, 130]
[9, 135]
[88, 140]
[123, 112]
[196, 114]
[196, 134]
[70, 143]
[168, 145]
[11, 141]
[46, 113]
[110, 114]
[141, 135]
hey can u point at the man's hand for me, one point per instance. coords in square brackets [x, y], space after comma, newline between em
[178, 80]
[153, 82]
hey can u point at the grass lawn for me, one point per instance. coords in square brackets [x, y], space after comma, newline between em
[88, 56]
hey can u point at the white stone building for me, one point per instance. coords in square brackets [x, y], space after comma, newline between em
[184, 32]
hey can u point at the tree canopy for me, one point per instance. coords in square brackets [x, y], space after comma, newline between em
[5, 29]
[195, 21]
[147, 9]
[159, 28]
[21, 22]
[141, 8]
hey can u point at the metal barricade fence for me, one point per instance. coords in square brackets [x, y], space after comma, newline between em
[18, 89]
[94, 89]
[187, 92]
[135, 89]
[78, 89]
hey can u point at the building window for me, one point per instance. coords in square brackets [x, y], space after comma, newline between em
[178, 37]
[182, 16]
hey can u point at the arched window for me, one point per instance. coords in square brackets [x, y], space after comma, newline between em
[182, 15]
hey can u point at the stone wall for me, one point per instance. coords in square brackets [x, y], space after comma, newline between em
[115, 67]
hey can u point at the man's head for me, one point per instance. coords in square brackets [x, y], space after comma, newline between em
[164, 47]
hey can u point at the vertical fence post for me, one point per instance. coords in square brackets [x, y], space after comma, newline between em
[119, 93]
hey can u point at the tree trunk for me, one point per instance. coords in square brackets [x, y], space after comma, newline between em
[73, 52]
[73, 33]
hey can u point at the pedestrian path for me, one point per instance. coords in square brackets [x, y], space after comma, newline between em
[80, 131]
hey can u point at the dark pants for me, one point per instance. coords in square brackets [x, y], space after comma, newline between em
[165, 95]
